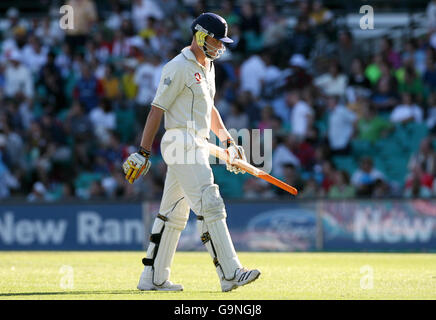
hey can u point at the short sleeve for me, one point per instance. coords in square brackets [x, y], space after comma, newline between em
[171, 84]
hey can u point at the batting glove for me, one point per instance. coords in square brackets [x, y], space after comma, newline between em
[136, 165]
[235, 152]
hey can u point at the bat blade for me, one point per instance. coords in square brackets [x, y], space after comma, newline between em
[223, 155]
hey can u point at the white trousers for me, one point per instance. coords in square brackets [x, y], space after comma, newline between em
[189, 184]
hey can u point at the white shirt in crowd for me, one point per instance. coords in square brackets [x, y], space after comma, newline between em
[253, 71]
[101, 119]
[281, 156]
[18, 79]
[34, 60]
[147, 78]
[361, 177]
[431, 14]
[142, 10]
[340, 127]
[332, 86]
[403, 112]
[301, 112]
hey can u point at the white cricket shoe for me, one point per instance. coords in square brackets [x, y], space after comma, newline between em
[146, 284]
[243, 276]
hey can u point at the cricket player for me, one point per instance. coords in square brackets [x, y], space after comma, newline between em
[186, 96]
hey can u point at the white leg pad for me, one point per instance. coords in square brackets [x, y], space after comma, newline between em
[169, 232]
[220, 246]
[215, 234]
[164, 258]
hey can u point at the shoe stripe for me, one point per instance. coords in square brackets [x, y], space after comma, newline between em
[241, 277]
[248, 275]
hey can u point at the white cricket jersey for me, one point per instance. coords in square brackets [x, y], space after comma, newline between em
[186, 93]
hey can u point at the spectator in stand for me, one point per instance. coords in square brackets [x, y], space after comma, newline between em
[341, 188]
[389, 54]
[51, 80]
[371, 126]
[274, 25]
[298, 77]
[384, 97]
[364, 179]
[36, 55]
[373, 70]
[412, 83]
[270, 16]
[328, 173]
[431, 15]
[39, 193]
[18, 78]
[407, 111]
[142, 10]
[320, 15]
[431, 111]
[429, 77]
[302, 39]
[348, 50]
[252, 74]
[425, 158]
[302, 115]
[250, 28]
[419, 184]
[111, 84]
[266, 120]
[103, 120]
[412, 54]
[88, 89]
[358, 84]
[283, 152]
[228, 12]
[332, 83]
[306, 150]
[77, 123]
[8, 181]
[341, 126]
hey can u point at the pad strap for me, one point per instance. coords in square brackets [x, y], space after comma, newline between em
[155, 238]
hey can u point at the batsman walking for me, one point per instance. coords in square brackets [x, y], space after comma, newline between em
[186, 96]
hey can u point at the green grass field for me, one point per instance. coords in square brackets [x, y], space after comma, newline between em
[114, 275]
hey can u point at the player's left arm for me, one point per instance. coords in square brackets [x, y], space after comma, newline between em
[235, 152]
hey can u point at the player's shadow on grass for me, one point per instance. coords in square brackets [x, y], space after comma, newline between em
[13, 294]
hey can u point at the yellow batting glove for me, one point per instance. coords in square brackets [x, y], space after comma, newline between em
[136, 165]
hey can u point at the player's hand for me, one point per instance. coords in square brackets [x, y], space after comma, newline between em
[136, 165]
[235, 152]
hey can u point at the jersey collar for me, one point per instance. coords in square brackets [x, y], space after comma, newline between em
[188, 54]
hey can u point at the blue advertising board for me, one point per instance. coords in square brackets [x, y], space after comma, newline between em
[352, 225]
[71, 227]
[379, 225]
[263, 226]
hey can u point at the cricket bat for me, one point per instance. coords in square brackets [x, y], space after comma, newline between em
[223, 155]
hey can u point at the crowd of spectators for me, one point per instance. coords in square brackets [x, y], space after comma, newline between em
[73, 102]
